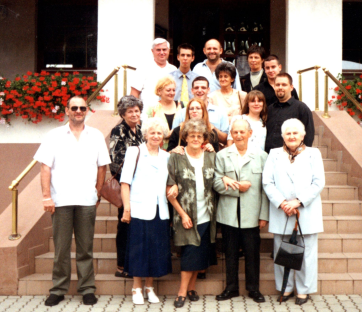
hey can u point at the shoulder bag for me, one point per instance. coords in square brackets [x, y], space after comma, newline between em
[111, 189]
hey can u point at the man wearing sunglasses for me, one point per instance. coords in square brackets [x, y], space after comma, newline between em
[73, 161]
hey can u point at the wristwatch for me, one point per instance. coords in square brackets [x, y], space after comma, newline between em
[301, 204]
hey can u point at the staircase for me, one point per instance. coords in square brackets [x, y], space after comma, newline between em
[339, 258]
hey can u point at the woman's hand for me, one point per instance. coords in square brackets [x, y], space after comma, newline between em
[178, 150]
[126, 218]
[173, 191]
[186, 221]
[230, 182]
[208, 148]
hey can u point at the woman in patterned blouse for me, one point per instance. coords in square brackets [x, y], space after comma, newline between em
[194, 218]
[127, 133]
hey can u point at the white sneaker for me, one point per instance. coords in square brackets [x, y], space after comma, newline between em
[152, 298]
[137, 298]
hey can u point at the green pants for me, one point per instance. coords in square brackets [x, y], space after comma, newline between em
[82, 220]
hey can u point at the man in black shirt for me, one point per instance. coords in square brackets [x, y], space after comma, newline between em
[285, 108]
[272, 68]
[256, 56]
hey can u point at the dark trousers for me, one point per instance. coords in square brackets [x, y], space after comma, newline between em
[249, 240]
[121, 239]
[81, 219]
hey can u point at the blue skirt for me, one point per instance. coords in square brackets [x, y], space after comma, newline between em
[148, 248]
[197, 258]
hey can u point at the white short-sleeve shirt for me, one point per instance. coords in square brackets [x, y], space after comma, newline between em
[145, 81]
[74, 164]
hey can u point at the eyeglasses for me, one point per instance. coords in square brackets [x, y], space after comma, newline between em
[75, 108]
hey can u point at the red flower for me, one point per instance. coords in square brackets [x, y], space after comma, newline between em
[339, 97]
[33, 80]
[359, 83]
[43, 73]
[344, 81]
[25, 88]
[25, 76]
[51, 89]
[42, 78]
[54, 84]
[57, 74]
[29, 73]
[352, 113]
[38, 84]
[90, 78]
[66, 74]
[344, 104]
[36, 74]
[17, 78]
[76, 80]
[348, 87]
[75, 73]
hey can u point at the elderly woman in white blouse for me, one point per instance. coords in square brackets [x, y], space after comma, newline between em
[293, 178]
[145, 209]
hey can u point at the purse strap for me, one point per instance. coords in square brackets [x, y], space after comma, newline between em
[138, 157]
[296, 226]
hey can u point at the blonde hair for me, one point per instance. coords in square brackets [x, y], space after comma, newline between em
[163, 82]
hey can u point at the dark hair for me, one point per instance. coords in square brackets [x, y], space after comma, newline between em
[272, 57]
[126, 102]
[75, 97]
[200, 78]
[260, 96]
[227, 68]
[256, 49]
[186, 46]
[285, 75]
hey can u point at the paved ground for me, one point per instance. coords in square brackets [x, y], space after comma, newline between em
[349, 303]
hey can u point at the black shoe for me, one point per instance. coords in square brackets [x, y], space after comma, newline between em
[122, 274]
[53, 300]
[300, 301]
[192, 295]
[179, 302]
[227, 294]
[285, 298]
[89, 299]
[201, 275]
[257, 296]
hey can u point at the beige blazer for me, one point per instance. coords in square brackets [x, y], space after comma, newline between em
[254, 204]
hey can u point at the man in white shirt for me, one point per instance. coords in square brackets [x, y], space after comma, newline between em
[146, 77]
[73, 167]
[213, 51]
[217, 116]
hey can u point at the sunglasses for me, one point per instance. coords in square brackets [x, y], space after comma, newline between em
[75, 108]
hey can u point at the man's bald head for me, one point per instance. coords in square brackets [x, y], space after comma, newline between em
[213, 41]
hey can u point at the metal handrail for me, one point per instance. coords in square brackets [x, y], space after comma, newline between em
[115, 112]
[13, 187]
[344, 90]
[299, 72]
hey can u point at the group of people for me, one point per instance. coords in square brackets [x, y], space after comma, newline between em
[191, 152]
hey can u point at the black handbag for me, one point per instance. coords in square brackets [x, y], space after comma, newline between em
[290, 255]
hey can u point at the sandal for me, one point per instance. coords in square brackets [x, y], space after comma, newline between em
[122, 274]
[179, 302]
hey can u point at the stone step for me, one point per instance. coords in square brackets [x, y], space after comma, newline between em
[336, 178]
[108, 284]
[330, 208]
[332, 224]
[328, 243]
[339, 192]
[324, 150]
[106, 263]
[330, 164]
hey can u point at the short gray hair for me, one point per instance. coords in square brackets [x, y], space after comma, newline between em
[153, 123]
[158, 41]
[293, 122]
[197, 126]
[239, 120]
[127, 102]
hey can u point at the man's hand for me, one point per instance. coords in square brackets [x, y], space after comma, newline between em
[244, 186]
[186, 221]
[262, 223]
[230, 182]
[49, 206]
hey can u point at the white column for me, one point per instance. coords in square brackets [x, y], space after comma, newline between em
[125, 34]
[314, 37]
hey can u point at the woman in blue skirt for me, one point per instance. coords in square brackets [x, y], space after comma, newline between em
[194, 219]
[143, 185]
